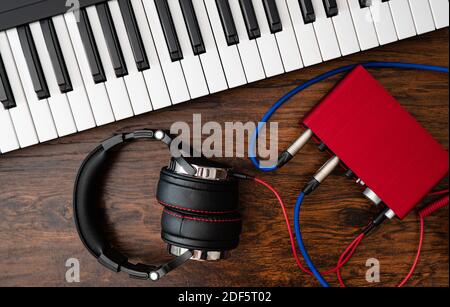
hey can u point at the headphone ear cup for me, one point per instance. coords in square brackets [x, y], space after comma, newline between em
[201, 232]
[197, 195]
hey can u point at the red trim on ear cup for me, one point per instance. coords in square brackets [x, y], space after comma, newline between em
[197, 231]
[199, 219]
[195, 211]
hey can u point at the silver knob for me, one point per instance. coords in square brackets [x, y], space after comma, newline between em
[369, 194]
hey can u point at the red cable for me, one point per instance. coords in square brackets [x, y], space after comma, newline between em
[419, 250]
[351, 248]
[286, 218]
[291, 235]
[438, 193]
[442, 202]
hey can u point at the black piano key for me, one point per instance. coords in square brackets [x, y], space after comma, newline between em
[33, 62]
[227, 21]
[195, 34]
[307, 9]
[331, 8]
[6, 94]
[251, 23]
[134, 36]
[168, 27]
[112, 40]
[87, 36]
[273, 16]
[366, 3]
[56, 56]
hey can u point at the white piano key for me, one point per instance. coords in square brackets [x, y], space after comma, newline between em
[78, 98]
[267, 43]
[117, 91]
[98, 97]
[306, 37]
[422, 16]
[40, 111]
[364, 25]
[58, 102]
[251, 60]
[326, 37]
[8, 138]
[173, 71]
[20, 115]
[384, 24]
[229, 55]
[135, 82]
[440, 10]
[154, 77]
[345, 30]
[287, 41]
[211, 63]
[192, 67]
[403, 20]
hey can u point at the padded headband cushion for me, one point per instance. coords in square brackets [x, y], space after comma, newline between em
[197, 195]
[86, 198]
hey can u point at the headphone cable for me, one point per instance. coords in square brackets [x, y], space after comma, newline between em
[351, 248]
[259, 181]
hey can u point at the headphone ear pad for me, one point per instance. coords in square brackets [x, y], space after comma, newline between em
[181, 192]
[201, 232]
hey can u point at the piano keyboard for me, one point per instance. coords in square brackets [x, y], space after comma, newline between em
[113, 60]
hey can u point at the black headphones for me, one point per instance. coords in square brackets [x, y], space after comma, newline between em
[200, 220]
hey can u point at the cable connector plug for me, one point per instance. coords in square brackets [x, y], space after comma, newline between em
[377, 221]
[289, 153]
[321, 175]
[311, 186]
[284, 158]
[242, 176]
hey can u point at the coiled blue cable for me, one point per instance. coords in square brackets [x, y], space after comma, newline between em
[288, 96]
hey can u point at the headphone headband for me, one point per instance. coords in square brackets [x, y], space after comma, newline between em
[86, 215]
[159, 135]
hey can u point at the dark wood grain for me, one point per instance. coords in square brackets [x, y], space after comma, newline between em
[37, 233]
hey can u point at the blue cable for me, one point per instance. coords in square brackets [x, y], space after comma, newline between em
[288, 96]
[301, 245]
[318, 79]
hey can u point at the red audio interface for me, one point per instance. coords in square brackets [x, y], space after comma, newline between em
[379, 141]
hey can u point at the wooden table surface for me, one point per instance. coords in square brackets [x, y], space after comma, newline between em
[37, 233]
